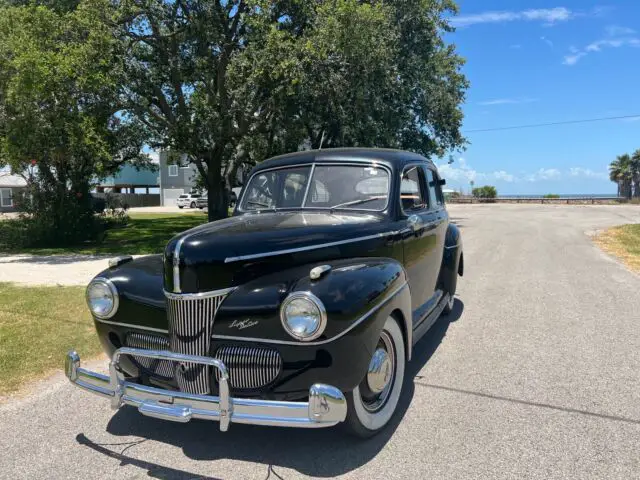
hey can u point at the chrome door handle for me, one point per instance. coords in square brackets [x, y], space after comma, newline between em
[415, 222]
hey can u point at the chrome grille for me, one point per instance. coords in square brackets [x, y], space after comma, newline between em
[161, 368]
[190, 324]
[249, 367]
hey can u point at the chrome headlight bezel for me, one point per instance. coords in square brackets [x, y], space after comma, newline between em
[114, 296]
[317, 304]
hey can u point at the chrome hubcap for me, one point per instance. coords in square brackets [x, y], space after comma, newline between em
[377, 385]
[379, 371]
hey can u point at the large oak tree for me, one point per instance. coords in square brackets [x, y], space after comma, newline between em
[229, 82]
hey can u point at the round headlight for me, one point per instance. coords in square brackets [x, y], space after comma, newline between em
[303, 316]
[102, 298]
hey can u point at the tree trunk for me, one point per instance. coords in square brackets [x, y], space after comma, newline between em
[636, 188]
[217, 196]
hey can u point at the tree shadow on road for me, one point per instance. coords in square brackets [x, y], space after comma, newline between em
[315, 452]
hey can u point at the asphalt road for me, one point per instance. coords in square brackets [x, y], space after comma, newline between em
[536, 374]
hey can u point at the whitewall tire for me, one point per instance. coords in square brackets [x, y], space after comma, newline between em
[371, 404]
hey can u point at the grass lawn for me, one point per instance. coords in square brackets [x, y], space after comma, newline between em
[624, 243]
[145, 233]
[38, 325]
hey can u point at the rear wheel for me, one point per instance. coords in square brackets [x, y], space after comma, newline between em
[180, 206]
[448, 308]
[193, 205]
[373, 402]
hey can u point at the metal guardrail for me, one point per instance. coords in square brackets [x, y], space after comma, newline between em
[567, 200]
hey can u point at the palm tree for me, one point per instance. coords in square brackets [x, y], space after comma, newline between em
[635, 172]
[620, 172]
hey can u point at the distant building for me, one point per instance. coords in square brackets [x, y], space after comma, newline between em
[128, 179]
[10, 188]
[175, 179]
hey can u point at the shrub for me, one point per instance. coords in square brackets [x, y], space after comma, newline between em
[551, 195]
[98, 204]
[485, 192]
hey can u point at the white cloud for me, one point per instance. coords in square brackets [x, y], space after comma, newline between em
[587, 173]
[573, 59]
[546, 15]
[547, 41]
[515, 46]
[502, 175]
[461, 173]
[618, 31]
[616, 37]
[543, 174]
[507, 101]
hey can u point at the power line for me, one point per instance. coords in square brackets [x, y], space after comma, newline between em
[533, 125]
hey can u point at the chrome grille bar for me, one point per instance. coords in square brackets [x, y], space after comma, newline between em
[161, 368]
[250, 367]
[191, 319]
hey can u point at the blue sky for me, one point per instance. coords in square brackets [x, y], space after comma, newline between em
[538, 62]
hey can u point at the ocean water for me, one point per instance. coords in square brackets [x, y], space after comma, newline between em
[564, 195]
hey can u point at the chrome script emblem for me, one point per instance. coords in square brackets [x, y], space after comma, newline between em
[242, 324]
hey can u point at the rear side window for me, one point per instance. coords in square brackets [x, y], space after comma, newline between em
[412, 193]
[435, 189]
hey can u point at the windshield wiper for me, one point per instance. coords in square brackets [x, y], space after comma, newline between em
[260, 204]
[354, 202]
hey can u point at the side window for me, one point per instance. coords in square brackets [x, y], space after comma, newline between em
[435, 189]
[412, 194]
[173, 170]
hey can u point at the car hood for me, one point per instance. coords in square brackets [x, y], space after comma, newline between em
[235, 250]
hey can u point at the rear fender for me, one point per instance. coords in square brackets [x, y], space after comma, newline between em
[451, 259]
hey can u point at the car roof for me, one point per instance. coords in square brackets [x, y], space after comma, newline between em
[395, 159]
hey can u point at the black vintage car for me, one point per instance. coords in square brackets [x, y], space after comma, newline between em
[300, 310]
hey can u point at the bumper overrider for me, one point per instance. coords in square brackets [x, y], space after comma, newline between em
[326, 406]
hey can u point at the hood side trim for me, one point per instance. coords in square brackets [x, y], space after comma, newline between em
[176, 265]
[308, 247]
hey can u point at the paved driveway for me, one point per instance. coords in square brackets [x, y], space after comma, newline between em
[536, 374]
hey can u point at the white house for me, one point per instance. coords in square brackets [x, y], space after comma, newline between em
[10, 186]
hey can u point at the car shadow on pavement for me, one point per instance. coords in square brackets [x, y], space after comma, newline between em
[314, 452]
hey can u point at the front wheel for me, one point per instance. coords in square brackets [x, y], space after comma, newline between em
[193, 205]
[373, 402]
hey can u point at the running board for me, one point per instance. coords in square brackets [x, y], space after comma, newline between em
[428, 322]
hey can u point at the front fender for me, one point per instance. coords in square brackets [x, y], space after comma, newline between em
[351, 291]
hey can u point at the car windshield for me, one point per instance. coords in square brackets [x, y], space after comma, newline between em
[183, 196]
[354, 187]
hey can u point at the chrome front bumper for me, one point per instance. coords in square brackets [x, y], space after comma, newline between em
[326, 407]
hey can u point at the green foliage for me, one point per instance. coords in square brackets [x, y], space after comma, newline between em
[61, 120]
[551, 195]
[231, 83]
[486, 192]
[625, 172]
[142, 234]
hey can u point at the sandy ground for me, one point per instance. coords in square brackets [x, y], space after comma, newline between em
[535, 374]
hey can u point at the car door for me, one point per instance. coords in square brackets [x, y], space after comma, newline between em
[418, 239]
[438, 219]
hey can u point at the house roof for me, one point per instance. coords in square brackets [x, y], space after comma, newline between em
[11, 181]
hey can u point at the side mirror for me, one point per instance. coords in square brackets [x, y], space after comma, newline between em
[442, 181]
